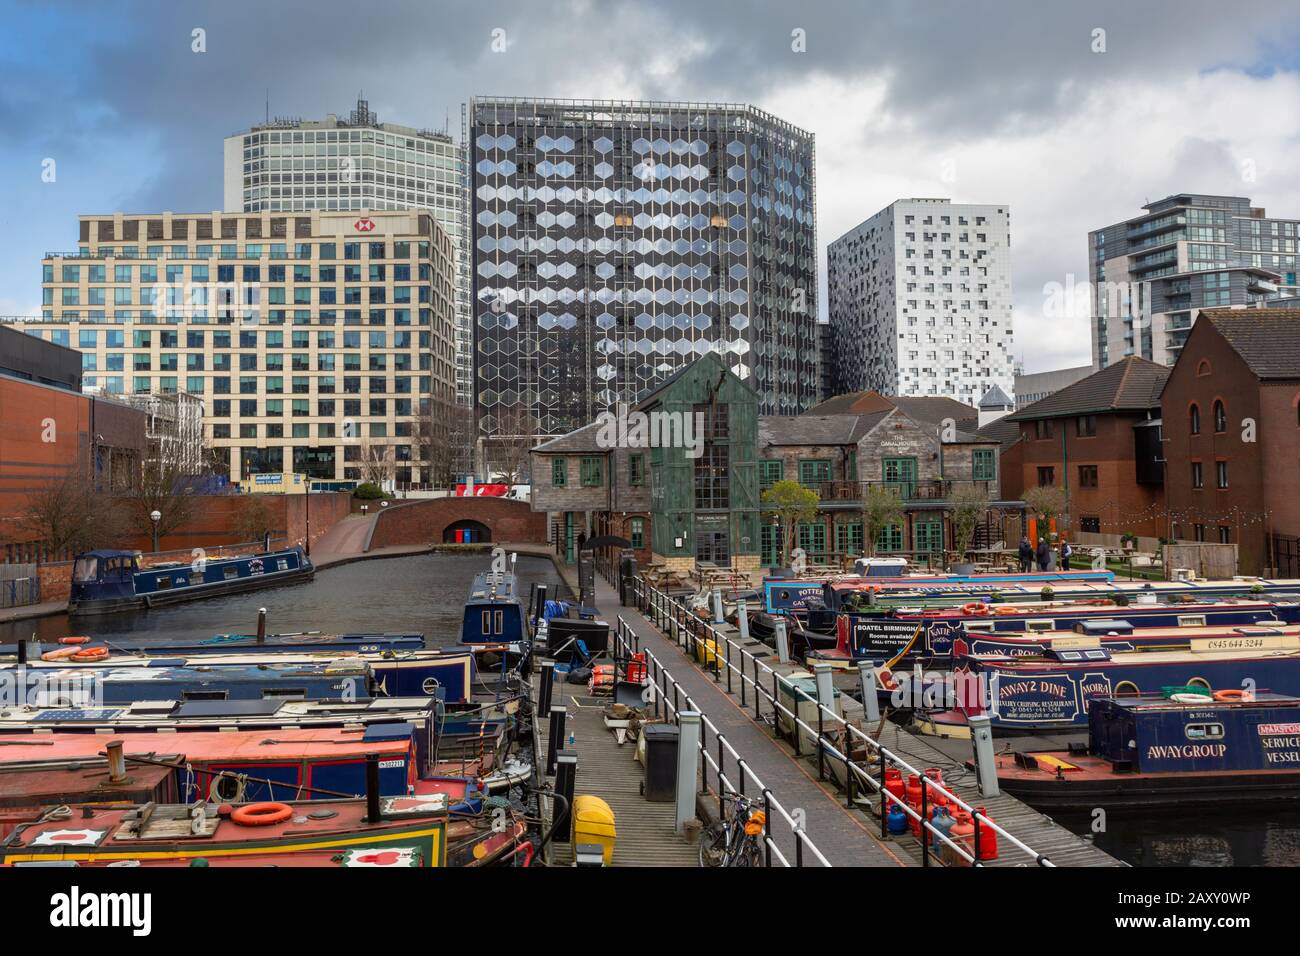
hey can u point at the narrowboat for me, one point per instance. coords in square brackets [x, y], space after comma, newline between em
[301, 642]
[394, 831]
[234, 766]
[78, 687]
[1014, 629]
[448, 675]
[1051, 693]
[1168, 750]
[108, 582]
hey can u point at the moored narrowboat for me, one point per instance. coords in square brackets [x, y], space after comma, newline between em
[108, 582]
[1162, 750]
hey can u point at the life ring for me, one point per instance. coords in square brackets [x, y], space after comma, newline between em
[887, 680]
[1004, 609]
[1229, 694]
[62, 654]
[74, 640]
[99, 653]
[1189, 698]
[975, 608]
[261, 814]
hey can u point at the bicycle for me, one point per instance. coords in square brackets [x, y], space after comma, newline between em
[736, 839]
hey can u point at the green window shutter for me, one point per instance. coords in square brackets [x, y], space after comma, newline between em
[984, 467]
[637, 532]
[559, 472]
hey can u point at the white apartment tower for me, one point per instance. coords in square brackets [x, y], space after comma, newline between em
[353, 164]
[920, 301]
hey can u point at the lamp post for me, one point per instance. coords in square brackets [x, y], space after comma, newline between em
[155, 516]
[307, 503]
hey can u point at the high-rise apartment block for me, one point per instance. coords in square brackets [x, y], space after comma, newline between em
[1151, 275]
[920, 301]
[313, 338]
[353, 164]
[617, 242]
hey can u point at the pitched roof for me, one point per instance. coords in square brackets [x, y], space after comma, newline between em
[1131, 384]
[934, 409]
[852, 403]
[996, 398]
[810, 429]
[580, 439]
[1268, 340]
[1000, 430]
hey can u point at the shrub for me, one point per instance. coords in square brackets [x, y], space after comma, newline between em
[368, 491]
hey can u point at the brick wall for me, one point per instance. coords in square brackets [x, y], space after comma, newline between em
[425, 521]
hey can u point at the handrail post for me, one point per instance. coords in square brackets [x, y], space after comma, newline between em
[767, 827]
[884, 796]
[925, 813]
[688, 755]
[975, 821]
[729, 668]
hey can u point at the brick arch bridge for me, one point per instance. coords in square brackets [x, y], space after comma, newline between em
[428, 520]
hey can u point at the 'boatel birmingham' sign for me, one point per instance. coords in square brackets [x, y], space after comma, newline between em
[880, 637]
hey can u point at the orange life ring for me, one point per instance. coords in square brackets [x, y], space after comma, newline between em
[1229, 695]
[62, 654]
[887, 679]
[1004, 609]
[261, 814]
[74, 640]
[975, 608]
[99, 653]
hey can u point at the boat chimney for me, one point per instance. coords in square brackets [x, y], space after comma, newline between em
[373, 814]
[22, 651]
[116, 762]
[540, 607]
[261, 625]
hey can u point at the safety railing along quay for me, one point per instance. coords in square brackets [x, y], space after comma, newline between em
[727, 660]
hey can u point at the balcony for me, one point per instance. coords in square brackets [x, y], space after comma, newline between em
[849, 494]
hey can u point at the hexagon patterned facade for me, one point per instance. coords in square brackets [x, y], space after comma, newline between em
[616, 242]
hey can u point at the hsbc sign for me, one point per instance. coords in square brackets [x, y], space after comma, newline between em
[364, 225]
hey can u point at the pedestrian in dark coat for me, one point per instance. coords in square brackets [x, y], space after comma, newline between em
[1044, 555]
[1026, 555]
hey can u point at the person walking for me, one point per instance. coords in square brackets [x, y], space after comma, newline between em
[1066, 551]
[1044, 555]
[1026, 555]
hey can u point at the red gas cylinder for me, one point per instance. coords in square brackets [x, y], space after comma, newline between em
[636, 669]
[914, 801]
[936, 796]
[894, 783]
[962, 834]
[988, 838]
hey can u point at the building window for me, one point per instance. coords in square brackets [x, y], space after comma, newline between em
[812, 538]
[1087, 476]
[593, 472]
[713, 468]
[771, 545]
[983, 465]
[770, 472]
[1198, 480]
[559, 472]
[1225, 534]
[814, 471]
[712, 547]
[636, 470]
[928, 535]
[636, 532]
[1198, 532]
[900, 474]
[890, 538]
[1194, 419]
[1220, 418]
[1089, 523]
[1221, 473]
[848, 538]
[1046, 476]
[1043, 428]
[1085, 426]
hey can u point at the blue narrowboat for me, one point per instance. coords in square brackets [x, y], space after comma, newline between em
[494, 612]
[1154, 751]
[107, 582]
[306, 642]
[1026, 629]
[70, 686]
[1052, 693]
[447, 675]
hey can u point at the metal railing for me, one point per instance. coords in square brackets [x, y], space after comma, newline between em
[668, 700]
[723, 656]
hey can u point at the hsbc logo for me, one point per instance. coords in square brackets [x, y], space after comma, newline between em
[364, 225]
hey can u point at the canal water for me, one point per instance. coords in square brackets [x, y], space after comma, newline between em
[423, 593]
[1237, 835]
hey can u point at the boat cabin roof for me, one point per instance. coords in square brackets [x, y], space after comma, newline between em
[489, 587]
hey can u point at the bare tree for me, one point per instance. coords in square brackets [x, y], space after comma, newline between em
[445, 440]
[255, 518]
[68, 516]
[160, 487]
[378, 462]
[509, 448]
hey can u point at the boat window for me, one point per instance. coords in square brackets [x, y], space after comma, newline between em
[1199, 682]
[196, 577]
[86, 569]
[498, 619]
[1204, 731]
[1191, 620]
[1037, 627]
[227, 786]
[231, 572]
[983, 626]
[282, 564]
[277, 693]
[487, 623]
[164, 582]
[1126, 688]
[203, 695]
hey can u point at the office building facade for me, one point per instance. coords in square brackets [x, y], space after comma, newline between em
[1151, 275]
[919, 300]
[314, 339]
[617, 242]
[352, 164]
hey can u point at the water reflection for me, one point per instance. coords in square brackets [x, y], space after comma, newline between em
[1238, 835]
[419, 593]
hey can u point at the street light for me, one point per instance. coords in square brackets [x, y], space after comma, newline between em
[155, 516]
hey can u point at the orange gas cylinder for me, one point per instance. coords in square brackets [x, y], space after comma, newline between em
[894, 783]
[962, 834]
[636, 669]
[988, 838]
[935, 796]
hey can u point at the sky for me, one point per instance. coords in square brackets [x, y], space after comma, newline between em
[1074, 115]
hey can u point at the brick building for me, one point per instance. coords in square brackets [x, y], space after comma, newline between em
[1231, 411]
[1099, 441]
